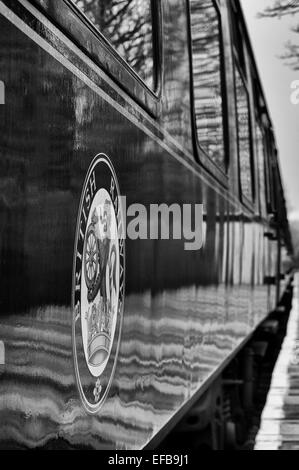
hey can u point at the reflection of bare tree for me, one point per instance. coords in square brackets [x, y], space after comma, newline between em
[207, 77]
[261, 167]
[279, 9]
[127, 24]
[243, 135]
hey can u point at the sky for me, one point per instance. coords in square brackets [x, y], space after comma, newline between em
[268, 37]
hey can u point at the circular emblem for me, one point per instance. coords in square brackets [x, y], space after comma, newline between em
[98, 283]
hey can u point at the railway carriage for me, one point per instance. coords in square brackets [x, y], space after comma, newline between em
[107, 342]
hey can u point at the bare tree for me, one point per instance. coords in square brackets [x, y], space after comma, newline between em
[279, 9]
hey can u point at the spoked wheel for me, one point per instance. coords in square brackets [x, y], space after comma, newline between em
[91, 257]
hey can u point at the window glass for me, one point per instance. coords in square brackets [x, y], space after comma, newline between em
[243, 136]
[261, 168]
[273, 175]
[127, 24]
[268, 165]
[206, 54]
[238, 39]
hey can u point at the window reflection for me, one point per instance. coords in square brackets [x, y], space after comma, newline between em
[127, 24]
[206, 53]
[261, 168]
[243, 136]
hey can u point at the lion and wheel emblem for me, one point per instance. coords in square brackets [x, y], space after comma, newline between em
[91, 257]
[100, 255]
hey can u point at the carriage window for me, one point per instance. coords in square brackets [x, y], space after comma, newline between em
[243, 121]
[268, 171]
[207, 65]
[271, 173]
[128, 27]
[261, 168]
[237, 38]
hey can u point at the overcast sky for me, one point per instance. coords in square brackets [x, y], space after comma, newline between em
[268, 37]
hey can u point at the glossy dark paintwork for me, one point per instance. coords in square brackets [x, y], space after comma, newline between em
[185, 312]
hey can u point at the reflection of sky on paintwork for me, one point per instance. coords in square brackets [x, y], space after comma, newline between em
[268, 38]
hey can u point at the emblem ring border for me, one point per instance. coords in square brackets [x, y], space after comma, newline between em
[93, 409]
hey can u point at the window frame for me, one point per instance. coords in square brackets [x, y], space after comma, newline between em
[259, 125]
[243, 68]
[201, 156]
[75, 24]
[244, 199]
[261, 122]
[271, 194]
